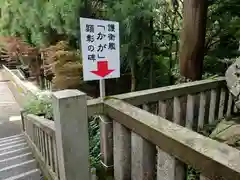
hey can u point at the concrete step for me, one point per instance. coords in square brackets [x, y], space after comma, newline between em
[14, 153]
[16, 160]
[17, 169]
[30, 175]
[10, 143]
[13, 147]
[11, 137]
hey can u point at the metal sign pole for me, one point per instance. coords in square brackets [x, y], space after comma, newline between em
[102, 89]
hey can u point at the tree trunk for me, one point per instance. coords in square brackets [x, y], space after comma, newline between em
[133, 77]
[151, 54]
[193, 38]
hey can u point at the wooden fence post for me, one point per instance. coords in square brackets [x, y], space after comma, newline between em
[71, 121]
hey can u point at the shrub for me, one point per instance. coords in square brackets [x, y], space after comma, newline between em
[40, 105]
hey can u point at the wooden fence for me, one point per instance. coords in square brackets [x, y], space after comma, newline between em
[40, 135]
[190, 105]
[45, 82]
[142, 133]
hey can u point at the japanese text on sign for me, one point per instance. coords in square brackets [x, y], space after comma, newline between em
[100, 49]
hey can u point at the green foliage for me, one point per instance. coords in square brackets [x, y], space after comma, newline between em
[94, 141]
[150, 32]
[192, 174]
[40, 105]
[222, 37]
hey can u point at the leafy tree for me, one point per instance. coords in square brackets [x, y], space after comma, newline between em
[150, 32]
[222, 37]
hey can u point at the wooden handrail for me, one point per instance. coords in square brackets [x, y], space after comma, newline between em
[40, 135]
[162, 93]
[45, 124]
[215, 160]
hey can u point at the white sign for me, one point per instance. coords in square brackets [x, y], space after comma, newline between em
[100, 49]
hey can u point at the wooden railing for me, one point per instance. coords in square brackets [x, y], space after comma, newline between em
[61, 146]
[40, 134]
[146, 146]
[138, 139]
[190, 105]
[45, 82]
[210, 88]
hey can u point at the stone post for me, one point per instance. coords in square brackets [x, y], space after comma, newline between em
[71, 122]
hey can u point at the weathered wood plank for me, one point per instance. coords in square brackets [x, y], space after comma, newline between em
[143, 156]
[46, 148]
[162, 109]
[213, 159]
[35, 135]
[122, 152]
[202, 111]
[41, 140]
[230, 105]
[177, 110]
[167, 92]
[43, 145]
[56, 169]
[168, 167]
[47, 170]
[50, 152]
[221, 103]
[212, 108]
[37, 138]
[190, 111]
[45, 124]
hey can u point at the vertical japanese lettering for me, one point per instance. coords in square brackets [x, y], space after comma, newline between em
[99, 49]
[100, 37]
[90, 28]
[111, 28]
[90, 40]
[111, 37]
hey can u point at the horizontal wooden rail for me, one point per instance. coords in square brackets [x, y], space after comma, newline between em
[163, 93]
[47, 125]
[215, 160]
[157, 94]
[40, 135]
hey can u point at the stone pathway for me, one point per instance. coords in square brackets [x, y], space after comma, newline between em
[9, 124]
